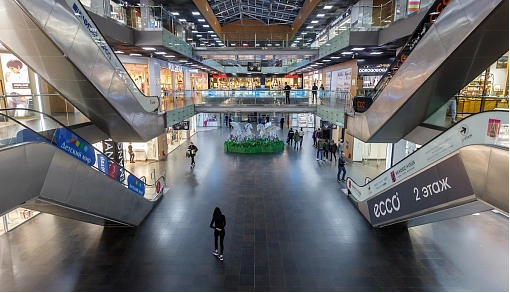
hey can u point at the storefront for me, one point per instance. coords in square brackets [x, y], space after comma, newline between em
[341, 78]
[208, 119]
[369, 75]
[15, 218]
[312, 77]
[166, 81]
[487, 91]
[274, 82]
[140, 75]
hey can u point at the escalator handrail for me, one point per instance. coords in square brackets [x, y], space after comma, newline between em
[67, 128]
[386, 78]
[422, 147]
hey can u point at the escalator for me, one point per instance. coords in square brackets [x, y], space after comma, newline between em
[460, 172]
[440, 58]
[56, 171]
[59, 41]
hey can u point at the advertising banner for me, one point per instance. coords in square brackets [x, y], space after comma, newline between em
[136, 185]
[183, 125]
[478, 129]
[15, 76]
[26, 135]
[74, 146]
[113, 150]
[445, 182]
[102, 163]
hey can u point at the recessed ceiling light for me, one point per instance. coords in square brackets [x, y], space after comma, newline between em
[182, 20]
[320, 15]
[149, 48]
[195, 13]
[319, 63]
[245, 44]
[303, 33]
[326, 60]
[135, 54]
[205, 25]
[232, 44]
[194, 32]
[269, 45]
[314, 65]
[118, 52]
[210, 32]
[199, 36]
[160, 53]
[169, 56]
[183, 60]
[358, 49]
[345, 53]
[218, 41]
[190, 39]
[314, 21]
[310, 26]
[376, 53]
[328, 44]
[328, 7]
[334, 57]
[214, 35]
[175, 13]
[201, 20]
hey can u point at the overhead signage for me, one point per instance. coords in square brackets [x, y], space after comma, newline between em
[136, 185]
[174, 67]
[369, 70]
[291, 76]
[472, 131]
[26, 135]
[183, 125]
[445, 182]
[75, 146]
[219, 76]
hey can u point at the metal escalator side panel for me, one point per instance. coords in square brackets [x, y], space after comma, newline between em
[23, 170]
[486, 167]
[436, 69]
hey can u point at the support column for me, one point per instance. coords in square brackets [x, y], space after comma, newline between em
[145, 13]
[100, 7]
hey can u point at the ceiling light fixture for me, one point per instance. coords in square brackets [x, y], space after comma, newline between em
[210, 32]
[175, 13]
[183, 60]
[149, 48]
[135, 54]
[334, 57]
[326, 60]
[118, 52]
[205, 25]
[376, 53]
[182, 20]
[346, 53]
[160, 53]
[201, 20]
[199, 36]
[314, 21]
[328, 6]
[310, 26]
[320, 15]
[195, 13]
[169, 56]
[358, 49]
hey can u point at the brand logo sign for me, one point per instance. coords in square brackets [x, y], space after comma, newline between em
[102, 163]
[373, 70]
[136, 185]
[445, 182]
[94, 33]
[174, 67]
[75, 146]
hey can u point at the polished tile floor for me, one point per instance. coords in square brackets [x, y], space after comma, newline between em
[289, 228]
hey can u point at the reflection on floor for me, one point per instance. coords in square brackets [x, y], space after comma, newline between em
[289, 228]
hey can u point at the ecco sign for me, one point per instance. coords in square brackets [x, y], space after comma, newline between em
[445, 182]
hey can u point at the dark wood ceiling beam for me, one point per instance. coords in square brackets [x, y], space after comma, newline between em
[208, 14]
[303, 14]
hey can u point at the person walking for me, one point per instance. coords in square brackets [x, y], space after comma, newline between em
[452, 104]
[301, 135]
[282, 120]
[287, 93]
[332, 149]
[341, 168]
[341, 146]
[314, 93]
[219, 221]
[314, 137]
[320, 150]
[192, 151]
[326, 148]
[290, 136]
[131, 153]
[297, 139]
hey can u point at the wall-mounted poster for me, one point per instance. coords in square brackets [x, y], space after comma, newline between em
[17, 84]
[343, 83]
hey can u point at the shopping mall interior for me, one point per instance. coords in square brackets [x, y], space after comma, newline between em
[352, 145]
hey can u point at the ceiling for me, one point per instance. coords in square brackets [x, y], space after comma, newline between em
[266, 11]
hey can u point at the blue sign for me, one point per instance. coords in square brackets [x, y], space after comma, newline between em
[102, 163]
[136, 185]
[26, 135]
[75, 146]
